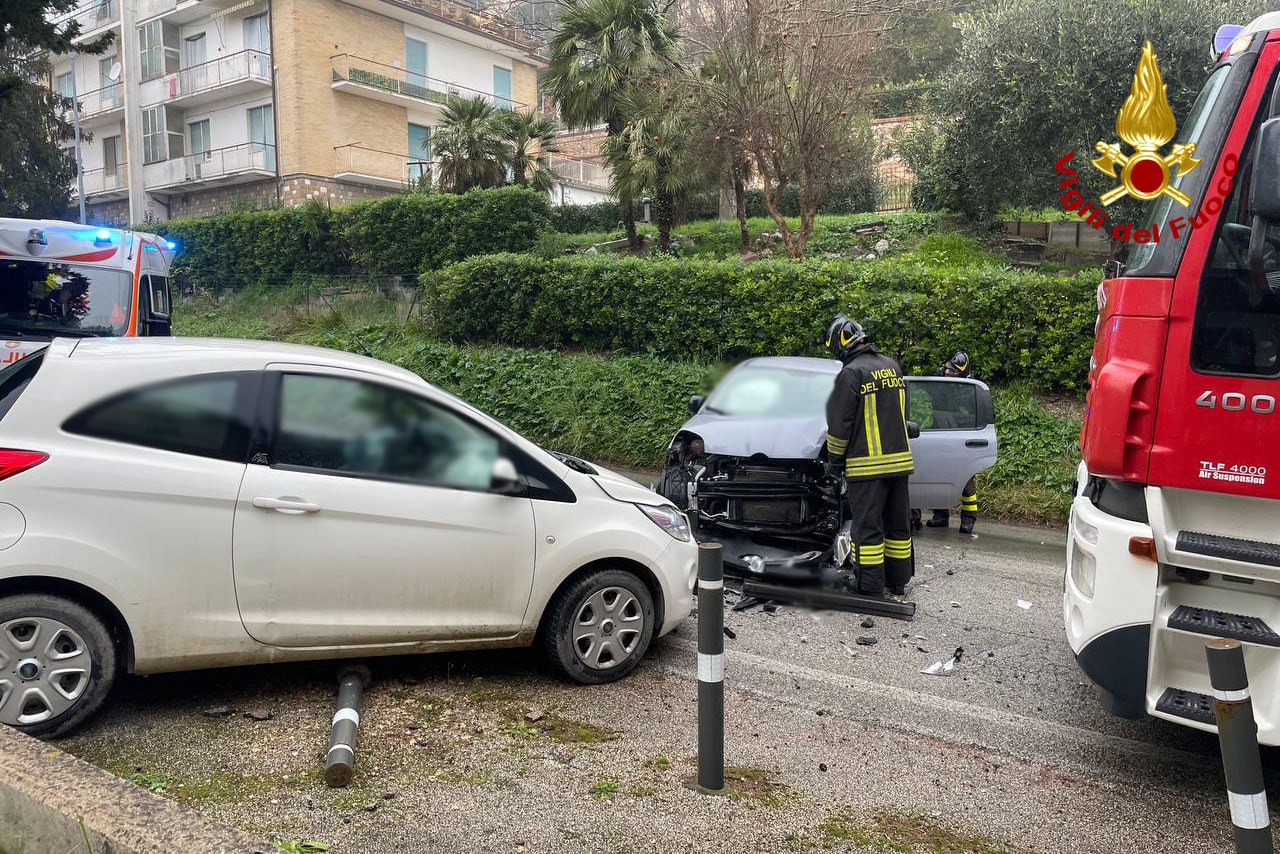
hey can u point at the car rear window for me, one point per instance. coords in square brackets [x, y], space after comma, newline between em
[14, 379]
[941, 405]
[207, 416]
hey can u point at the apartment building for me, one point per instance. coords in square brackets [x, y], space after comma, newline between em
[203, 106]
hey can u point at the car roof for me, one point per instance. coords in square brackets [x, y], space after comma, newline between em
[795, 363]
[228, 351]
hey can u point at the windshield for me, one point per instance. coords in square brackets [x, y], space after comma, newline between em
[771, 392]
[43, 298]
[1158, 209]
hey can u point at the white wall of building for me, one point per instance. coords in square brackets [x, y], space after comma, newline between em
[569, 194]
[455, 62]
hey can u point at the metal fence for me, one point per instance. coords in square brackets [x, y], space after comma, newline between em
[896, 182]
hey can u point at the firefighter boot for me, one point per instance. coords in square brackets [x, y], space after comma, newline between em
[941, 518]
[916, 524]
[967, 521]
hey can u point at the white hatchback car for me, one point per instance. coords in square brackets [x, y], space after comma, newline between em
[171, 504]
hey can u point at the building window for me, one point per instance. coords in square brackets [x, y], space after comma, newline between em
[502, 87]
[262, 136]
[65, 85]
[111, 96]
[111, 156]
[154, 143]
[257, 38]
[198, 142]
[415, 68]
[158, 47]
[419, 152]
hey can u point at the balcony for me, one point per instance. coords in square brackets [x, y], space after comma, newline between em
[178, 11]
[94, 18]
[478, 20]
[363, 165]
[243, 73]
[103, 185]
[584, 173]
[392, 85]
[100, 105]
[236, 164]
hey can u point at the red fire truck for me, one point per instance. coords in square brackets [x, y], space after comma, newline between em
[1175, 525]
[67, 279]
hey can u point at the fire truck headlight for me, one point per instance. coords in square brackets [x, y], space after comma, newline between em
[1084, 569]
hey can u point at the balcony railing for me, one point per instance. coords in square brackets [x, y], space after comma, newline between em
[98, 182]
[356, 70]
[100, 101]
[479, 20]
[217, 165]
[94, 15]
[387, 168]
[245, 65]
[577, 171]
[151, 8]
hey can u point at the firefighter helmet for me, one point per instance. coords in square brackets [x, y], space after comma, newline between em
[844, 335]
[957, 365]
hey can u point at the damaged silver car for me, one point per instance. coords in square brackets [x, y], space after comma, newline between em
[748, 466]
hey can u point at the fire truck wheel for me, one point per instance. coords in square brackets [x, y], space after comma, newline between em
[57, 664]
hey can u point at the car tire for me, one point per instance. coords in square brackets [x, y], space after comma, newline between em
[57, 654]
[599, 627]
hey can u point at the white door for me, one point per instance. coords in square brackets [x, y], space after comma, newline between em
[194, 56]
[257, 40]
[369, 520]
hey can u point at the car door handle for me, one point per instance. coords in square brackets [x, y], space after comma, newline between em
[284, 506]
[976, 443]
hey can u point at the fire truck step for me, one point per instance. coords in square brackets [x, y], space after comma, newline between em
[1232, 548]
[1187, 704]
[1219, 624]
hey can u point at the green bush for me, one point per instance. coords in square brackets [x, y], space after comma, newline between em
[1015, 324]
[403, 234]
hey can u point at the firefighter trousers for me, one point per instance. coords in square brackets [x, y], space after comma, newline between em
[968, 504]
[880, 510]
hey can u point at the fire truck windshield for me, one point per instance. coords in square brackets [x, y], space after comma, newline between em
[1160, 209]
[44, 298]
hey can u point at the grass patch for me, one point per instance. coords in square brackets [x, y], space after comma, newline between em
[755, 785]
[554, 727]
[905, 834]
[605, 788]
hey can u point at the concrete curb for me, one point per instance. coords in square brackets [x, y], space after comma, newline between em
[46, 794]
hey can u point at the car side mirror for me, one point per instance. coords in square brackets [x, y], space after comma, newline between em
[1264, 183]
[504, 479]
[695, 403]
[913, 430]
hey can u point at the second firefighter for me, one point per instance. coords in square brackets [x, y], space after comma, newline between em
[867, 443]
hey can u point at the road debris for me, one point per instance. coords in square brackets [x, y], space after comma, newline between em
[218, 712]
[945, 668]
[868, 623]
[867, 640]
[1024, 604]
[853, 653]
[259, 715]
[955, 604]
[730, 633]
[747, 602]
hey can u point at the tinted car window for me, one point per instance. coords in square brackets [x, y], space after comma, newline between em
[14, 379]
[208, 416]
[943, 405]
[347, 426]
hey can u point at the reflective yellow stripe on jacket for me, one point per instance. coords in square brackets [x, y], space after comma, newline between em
[883, 464]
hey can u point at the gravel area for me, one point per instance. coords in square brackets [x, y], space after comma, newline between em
[834, 745]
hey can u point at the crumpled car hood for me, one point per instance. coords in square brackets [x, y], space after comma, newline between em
[778, 438]
[622, 488]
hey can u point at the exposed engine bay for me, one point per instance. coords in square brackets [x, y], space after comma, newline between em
[778, 518]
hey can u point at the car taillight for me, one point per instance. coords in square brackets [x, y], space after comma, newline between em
[15, 462]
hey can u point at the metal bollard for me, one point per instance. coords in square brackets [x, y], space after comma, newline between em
[339, 762]
[710, 667]
[1238, 736]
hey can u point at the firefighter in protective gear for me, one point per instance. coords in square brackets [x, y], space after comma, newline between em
[867, 443]
[959, 366]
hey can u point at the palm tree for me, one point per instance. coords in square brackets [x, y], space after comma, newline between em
[471, 146]
[532, 136]
[655, 154]
[601, 51]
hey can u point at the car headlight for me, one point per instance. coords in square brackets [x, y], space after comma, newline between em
[668, 519]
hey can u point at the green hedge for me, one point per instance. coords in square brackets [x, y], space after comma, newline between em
[1016, 325]
[405, 233]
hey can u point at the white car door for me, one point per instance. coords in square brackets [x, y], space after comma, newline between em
[366, 517]
[957, 437]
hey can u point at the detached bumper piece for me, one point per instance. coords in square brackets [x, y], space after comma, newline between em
[823, 596]
[1190, 705]
[1219, 624]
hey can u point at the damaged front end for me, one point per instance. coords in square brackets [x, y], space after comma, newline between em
[777, 517]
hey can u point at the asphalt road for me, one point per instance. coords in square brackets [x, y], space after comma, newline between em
[838, 750]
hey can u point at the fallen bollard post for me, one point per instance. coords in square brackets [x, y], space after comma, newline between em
[1238, 736]
[340, 761]
[710, 668]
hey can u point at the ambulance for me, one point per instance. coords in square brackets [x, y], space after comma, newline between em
[1174, 536]
[72, 280]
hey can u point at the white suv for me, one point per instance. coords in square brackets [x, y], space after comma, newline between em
[172, 504]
